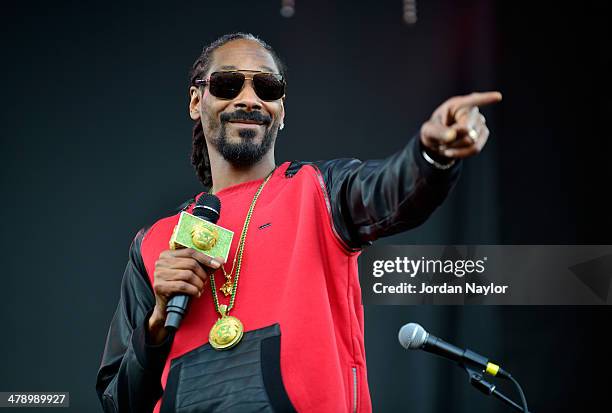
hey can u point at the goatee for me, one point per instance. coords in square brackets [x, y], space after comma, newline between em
[246, 152]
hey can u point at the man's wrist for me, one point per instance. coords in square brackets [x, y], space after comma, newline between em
[151, 352]
[156, 332]
[436, 160]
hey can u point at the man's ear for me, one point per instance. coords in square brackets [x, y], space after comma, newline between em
[194, 103]
[282, 115]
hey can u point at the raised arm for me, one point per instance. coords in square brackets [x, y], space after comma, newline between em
[378, 198]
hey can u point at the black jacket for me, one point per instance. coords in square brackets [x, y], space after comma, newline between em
[368, 200]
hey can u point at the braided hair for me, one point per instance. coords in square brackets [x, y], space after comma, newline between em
[199, 154]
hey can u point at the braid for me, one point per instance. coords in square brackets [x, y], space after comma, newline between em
[199, 155]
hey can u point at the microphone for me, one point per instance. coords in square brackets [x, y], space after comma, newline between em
[207, 208]
[412, 336]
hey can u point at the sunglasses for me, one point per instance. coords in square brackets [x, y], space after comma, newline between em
[229, 84]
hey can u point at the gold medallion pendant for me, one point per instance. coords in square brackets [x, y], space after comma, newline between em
[227, 331]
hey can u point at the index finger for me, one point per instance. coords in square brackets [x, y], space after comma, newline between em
[198, 256]
[476, 99]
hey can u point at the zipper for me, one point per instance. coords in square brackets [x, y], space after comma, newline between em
[354, 369]
[328, 205]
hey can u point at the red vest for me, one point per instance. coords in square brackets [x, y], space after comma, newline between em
[295, 272]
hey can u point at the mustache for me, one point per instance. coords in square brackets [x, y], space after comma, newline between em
[242, 115]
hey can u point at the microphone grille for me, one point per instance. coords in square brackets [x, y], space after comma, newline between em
[208, 207]
[412, 336]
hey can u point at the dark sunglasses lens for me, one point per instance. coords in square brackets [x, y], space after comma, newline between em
[226, 85]
[269, 86]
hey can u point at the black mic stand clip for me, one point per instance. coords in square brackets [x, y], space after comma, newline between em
[477, 380]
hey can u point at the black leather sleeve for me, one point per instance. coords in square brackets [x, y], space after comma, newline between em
[378, 198]
[129, 377]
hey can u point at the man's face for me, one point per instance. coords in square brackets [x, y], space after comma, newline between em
[242, 129]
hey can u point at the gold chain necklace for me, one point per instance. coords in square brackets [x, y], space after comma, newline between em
[228, 330]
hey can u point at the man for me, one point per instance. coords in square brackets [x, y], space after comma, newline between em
[291, 277]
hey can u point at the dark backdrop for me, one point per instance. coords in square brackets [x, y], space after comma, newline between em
[96, 141]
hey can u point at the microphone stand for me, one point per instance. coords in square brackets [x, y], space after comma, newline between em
[477, 380]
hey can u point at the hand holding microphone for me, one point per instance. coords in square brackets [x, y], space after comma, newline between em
[178, 272]
[182, 273]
